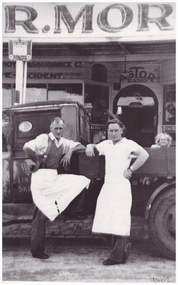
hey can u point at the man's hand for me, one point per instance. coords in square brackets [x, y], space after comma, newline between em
[34, 167]
[90, 150]
[127, 173]
[65, 161]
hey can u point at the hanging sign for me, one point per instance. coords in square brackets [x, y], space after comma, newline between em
[71, 22]
[20, 50]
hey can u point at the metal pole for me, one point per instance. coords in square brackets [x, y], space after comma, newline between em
[24, 81]
[19, 79]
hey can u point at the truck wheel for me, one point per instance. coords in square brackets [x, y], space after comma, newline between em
[162, 223]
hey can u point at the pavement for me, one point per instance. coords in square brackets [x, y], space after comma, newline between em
[79, 260]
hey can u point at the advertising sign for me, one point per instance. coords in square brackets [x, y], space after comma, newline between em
[71, 22]
[20, 50]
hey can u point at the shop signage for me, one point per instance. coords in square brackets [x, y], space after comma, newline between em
[48, 64]
[98, 127]
[20, 50]
[46, 69]
[169, 129]
[138, 74]
[72, 21]
[45, 75]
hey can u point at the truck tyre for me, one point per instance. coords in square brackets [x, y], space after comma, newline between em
[162, 223]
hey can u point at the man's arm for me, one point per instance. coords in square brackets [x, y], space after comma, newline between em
[31, 154]
[142, 156]
[66, 158]
[90, 149]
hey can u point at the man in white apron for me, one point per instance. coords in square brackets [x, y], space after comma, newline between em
[52, 191]
[113, 207]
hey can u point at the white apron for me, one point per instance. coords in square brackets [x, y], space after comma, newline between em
[53, 192]
[114, 202]
[112, 214]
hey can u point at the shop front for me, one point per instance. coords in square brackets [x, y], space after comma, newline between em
[123, 67]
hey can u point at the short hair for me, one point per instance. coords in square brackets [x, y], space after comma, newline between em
[168, 137]
[121, 125]
[56, 119]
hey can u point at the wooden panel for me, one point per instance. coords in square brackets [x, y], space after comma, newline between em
[161, 163]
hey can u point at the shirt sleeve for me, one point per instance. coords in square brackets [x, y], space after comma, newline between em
[101, 147]
[69, 144]
[39, 144]
[155, 146]
[132, 148]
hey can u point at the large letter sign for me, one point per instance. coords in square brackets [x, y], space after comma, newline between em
[160, 21]
[50, 22]
[61, 12]
[127, 17]
[26, 24]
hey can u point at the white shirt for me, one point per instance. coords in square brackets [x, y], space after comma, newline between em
[40, 143]
[118, 156]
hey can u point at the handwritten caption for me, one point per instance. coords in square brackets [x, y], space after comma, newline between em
[156, 280]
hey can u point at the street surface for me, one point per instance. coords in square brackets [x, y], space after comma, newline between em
[80, 260]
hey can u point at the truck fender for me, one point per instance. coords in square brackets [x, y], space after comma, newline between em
[153, 196]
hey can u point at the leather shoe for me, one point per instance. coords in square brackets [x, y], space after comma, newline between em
[110, 262]
[41, 256]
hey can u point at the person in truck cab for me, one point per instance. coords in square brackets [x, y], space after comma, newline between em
[52, 191]
[162, 140]
[112, 215]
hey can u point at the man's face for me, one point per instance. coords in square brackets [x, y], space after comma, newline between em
[115, 132]
[57, 128]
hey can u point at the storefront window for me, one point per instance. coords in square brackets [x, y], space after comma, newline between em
[36, 93]
[65, 91]
[6, 95]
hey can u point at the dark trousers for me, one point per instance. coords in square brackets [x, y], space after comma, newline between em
[38, 229]
[118, 245]
[38, 232]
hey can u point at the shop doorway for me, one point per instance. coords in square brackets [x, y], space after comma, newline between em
[137, 107]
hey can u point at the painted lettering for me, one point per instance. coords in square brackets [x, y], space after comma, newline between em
[161, 22]
[9, 64]
[126, 14]
[48, 64]
[138, 80]
[86, 13]
[143, 74]
[78, 64]
[61, 12]
[151, 76]
[66, 64]
[9, 74]
[23, 180]
[39, 75]
[138, 72]
[23, 188]
[135, 70]
[11, 22]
